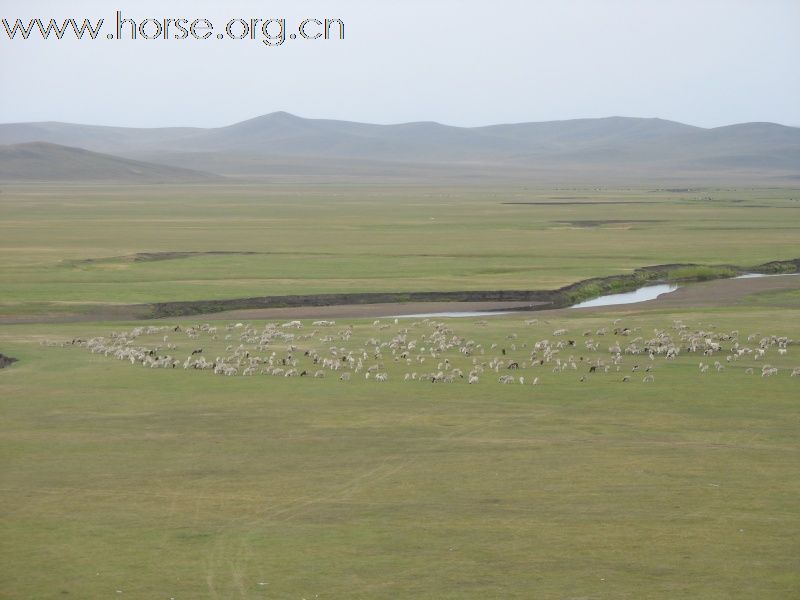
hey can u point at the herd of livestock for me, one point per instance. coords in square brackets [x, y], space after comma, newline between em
[430, 351]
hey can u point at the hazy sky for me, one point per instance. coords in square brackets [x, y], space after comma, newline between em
[460, 62]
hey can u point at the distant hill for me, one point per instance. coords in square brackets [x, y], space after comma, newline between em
[281, 145]
[43, 161]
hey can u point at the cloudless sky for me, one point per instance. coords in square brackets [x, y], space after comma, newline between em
[460, 62]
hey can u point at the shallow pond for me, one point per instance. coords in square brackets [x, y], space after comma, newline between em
[648, 292]
[455, 314]
[753, 275]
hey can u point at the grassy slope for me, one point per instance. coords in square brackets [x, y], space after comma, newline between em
[40, 161]
[358, 238]
[187, 485]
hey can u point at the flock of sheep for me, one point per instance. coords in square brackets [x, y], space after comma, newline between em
[430, 351]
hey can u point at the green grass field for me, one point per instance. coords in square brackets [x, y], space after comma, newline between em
[128, 482]
[69, 248]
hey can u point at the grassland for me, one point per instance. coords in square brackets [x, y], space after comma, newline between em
[64, 248]
[120, 481]
[173, 483]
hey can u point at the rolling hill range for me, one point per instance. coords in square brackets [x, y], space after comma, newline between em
[46, 162]
[281, 145]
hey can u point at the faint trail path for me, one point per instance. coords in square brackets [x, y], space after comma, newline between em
[231, 550]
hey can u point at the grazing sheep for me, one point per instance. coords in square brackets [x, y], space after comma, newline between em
[452, 354]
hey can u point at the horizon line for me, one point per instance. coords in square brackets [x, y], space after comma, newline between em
[284, 113]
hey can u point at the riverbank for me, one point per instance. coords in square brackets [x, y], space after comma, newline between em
[720, 292]
[390, 303]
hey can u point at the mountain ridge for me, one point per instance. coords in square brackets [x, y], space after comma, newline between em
[257, 147]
